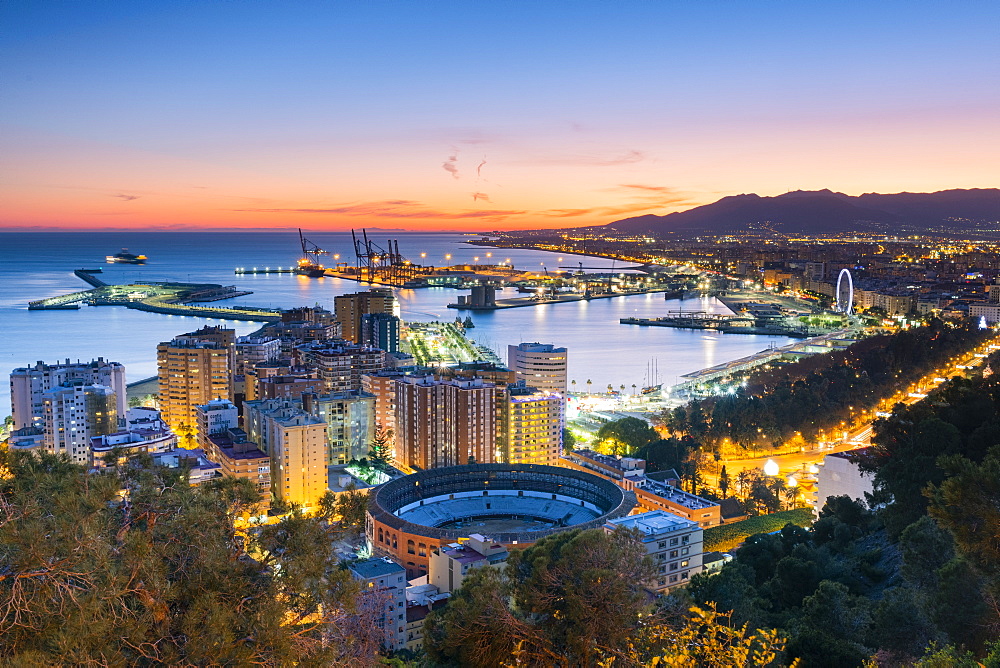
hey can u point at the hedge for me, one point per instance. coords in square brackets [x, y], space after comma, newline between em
[726, 537]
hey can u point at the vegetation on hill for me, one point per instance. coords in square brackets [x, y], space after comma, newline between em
[573, 599]
[819, 393]
[915, 582]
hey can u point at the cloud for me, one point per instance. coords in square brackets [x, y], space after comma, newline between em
[644, 198]
[480, 196]
[400, 209]
[126, 198]
[479, 168]
[451, 165]
[644, 188]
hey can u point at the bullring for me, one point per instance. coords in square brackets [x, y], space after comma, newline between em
[513, 504]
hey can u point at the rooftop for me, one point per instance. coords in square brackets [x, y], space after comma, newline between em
[375, 568]
[654, 522]
[674, 494]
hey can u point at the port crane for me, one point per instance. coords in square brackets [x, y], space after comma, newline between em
[378, 265]
[309, 264]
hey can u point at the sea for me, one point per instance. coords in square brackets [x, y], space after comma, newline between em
[36, 265]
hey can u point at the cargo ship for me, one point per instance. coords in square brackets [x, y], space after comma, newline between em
[310, 269]
[125, 258]
[309, 264]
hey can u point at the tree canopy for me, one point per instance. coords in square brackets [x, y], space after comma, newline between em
[132, 566]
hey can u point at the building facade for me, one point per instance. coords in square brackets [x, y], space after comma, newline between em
[339, 364]
[215, 417]
[350, 423]
[381, 330]
[673, 543]
[539, 365]
[383, 591]
[444, 422]
[449, 564]
[29, 384]
[74, 413]
[191, 372]
[839, 475]
[295, 441]
[349, 309]
[530, 427]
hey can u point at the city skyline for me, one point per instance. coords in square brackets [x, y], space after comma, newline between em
[453, 117]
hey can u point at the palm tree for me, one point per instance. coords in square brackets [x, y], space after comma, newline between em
[743, 480]
[589, 383]
[633, 388]
[792, 496]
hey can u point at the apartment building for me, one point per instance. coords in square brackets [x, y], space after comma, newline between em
[29, 384]
[444, 422]
[192, 372]
[350, 422]
[530, 426]
[383, 590]
[673, 543]
[349, 310]
[340, 364]
[295, 441]
[540, 365]
[74, 413]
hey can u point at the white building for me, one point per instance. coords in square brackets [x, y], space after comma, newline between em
[839, 476]
[29, 384]
[673, 543]
[540, 365]
[253, 350]
[215, 417]
[384, 584]
[450, 564]
[73, 414]
[990, 311]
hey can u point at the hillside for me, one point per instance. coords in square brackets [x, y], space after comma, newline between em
[824, 211]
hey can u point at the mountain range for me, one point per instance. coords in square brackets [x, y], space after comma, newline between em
[825, 211]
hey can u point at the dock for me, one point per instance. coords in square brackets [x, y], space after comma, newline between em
[719, 323]
[243, 271]
[159, 297]
[519, 302]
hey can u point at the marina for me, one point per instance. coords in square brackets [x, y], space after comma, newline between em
[588, 328]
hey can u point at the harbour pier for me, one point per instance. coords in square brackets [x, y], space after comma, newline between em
[159, 297]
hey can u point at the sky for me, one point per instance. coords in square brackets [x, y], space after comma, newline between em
[480, 115]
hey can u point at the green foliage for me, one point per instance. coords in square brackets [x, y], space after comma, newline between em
[570, 599]
[818, 393]
[380, 452]
[569, 440]
[162, 575]
[629, 434]
[968, 505]
[890, 584]
[725, 537]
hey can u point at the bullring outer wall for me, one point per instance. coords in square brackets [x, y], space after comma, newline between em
[410, 544]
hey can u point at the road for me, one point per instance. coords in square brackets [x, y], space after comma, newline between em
[859, 436]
